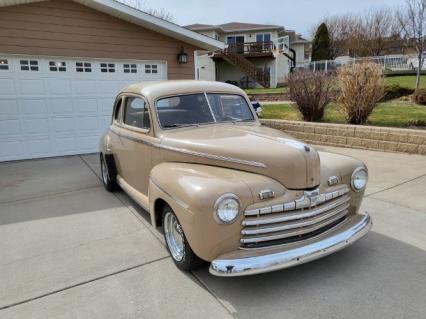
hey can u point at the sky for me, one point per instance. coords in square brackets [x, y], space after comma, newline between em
[298, 15]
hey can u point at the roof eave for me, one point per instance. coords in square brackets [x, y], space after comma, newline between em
[143, 19]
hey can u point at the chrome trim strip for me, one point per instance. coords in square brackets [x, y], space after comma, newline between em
[300, 229]
[297, 215]
[212, 156]
[302, 202]
[347, 233]
[190, 152]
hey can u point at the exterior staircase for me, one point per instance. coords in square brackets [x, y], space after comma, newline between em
[251, 70]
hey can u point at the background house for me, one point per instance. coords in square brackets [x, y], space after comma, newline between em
[256, 44]
[62, 63]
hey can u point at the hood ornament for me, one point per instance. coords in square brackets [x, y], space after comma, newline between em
[307, 148]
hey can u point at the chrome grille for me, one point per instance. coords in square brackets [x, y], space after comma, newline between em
[288, 222]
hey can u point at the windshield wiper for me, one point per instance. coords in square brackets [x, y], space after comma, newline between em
[179, 125]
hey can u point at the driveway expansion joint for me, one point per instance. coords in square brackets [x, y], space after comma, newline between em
[395, 186]
[82, 283]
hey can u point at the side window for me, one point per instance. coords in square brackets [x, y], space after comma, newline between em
[136, 113]
[117, 110]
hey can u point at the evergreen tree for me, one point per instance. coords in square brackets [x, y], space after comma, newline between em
[321, 45]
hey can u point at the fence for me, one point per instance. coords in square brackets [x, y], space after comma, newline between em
[391, 63]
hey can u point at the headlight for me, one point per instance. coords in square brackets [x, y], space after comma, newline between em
[227, 208]
[359, 179]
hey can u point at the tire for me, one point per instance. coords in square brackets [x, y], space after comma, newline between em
[176, 243]
[109, 184]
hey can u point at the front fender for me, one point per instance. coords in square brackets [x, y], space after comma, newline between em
[341, 166]
[192, 190]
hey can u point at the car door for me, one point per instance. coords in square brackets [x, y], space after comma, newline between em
[136, 140]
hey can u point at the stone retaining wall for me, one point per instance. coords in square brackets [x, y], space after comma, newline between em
[355, 136]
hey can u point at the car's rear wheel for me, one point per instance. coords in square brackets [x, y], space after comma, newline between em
[106, 176]
[177, 245]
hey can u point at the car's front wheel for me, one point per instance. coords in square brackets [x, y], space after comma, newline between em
[177, 245]
[109, 184]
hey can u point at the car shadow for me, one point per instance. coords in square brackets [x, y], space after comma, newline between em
[377, 277]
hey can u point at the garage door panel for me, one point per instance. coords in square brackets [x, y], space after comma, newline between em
[47, 112]
[34, 107]
[7, 87]
[87, 105]
[65, 145]
[35, 126]
[8, 108]
[31, 87]
[10, 128]
[37, 147]
[107, 104]
[88, 143]
[63, 125]
[60, 106]
[104, 122]
[10, 150]
[87, 123]
[85, 87]
[59, 86]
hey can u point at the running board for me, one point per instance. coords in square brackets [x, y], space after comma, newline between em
[138, 197]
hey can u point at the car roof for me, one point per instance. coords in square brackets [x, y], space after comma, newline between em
[154, 90]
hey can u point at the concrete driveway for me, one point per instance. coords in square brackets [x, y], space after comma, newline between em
[69, 249]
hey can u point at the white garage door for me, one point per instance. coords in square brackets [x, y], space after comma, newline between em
[61, 106]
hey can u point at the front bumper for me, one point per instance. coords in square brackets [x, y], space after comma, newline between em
[239, 264]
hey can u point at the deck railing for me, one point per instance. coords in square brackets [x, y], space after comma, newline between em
[251, 47]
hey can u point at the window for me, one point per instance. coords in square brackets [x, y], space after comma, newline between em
[130, 68]
[4, 64]
[151, 68]
[194, 109]
[57, 66]
[263, 37]
[107, 67]
[136, 113]
[83, 67]
[29, 65]
[117, 110]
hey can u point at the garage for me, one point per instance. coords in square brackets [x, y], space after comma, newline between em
[54, 106]
[62, 63]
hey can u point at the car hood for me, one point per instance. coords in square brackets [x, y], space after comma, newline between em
[252, 148]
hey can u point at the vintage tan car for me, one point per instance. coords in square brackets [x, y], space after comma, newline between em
[225, 189]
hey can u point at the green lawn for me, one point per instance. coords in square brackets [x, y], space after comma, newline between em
[392, 113]
[265, 91]
[406, 81]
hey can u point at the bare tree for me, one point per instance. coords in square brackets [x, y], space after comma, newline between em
[412, 19]
[377, 26]
[361, 35]
[159, 13]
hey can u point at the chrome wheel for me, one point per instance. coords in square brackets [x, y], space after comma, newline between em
[174, 236]
[104, 169]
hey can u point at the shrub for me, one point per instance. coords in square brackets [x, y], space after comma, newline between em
[419, 96]
[361, 87]
[395, 91]
[311, 91]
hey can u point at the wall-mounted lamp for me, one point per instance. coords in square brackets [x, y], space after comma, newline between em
[182, 57]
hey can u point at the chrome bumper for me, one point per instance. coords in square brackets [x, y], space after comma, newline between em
[336, 239]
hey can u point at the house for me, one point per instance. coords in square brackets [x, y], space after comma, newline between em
[253, 51]
[63, 61]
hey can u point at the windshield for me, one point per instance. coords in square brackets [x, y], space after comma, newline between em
[200, 108]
